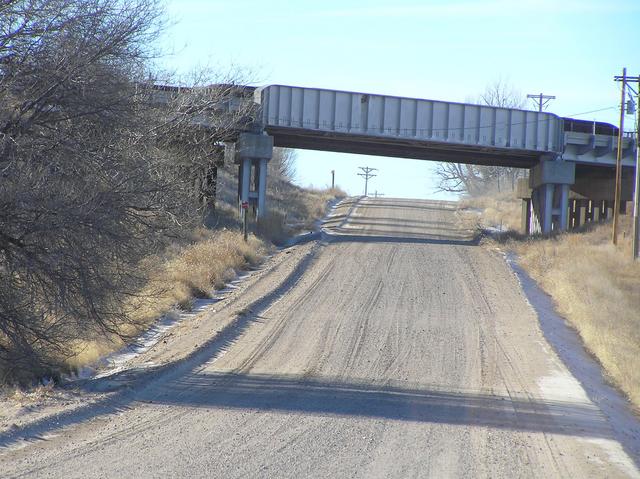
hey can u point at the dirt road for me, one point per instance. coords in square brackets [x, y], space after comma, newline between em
[393, 347]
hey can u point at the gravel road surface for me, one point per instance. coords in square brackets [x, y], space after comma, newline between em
[393, 347]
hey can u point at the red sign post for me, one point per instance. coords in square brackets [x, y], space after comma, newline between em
[245, 219]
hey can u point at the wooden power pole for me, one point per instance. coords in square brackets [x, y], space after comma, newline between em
[635, 242]
[367, 173]
[616, 200]
[635, 237]
[541, 100]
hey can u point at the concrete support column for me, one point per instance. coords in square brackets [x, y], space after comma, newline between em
[252, 153]
[262, 188]
[525, 224]
[525, 194]
[547, 208]
[245, 180]
[564, 206]
[582, 216]
[536, 208]
[550, 180]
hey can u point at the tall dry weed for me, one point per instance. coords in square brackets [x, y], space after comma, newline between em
[204, 260]
[596, 287]
[186, 272]
[594, 284]
[500, 210]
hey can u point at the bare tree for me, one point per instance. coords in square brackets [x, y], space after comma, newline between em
[478, 179]
[457, 177]
[283, 163]
[502, 94]
[96, 169]
[194, 122]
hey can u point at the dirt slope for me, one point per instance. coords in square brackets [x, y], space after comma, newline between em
[394, 347]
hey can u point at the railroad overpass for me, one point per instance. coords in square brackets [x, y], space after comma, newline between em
[560, 152]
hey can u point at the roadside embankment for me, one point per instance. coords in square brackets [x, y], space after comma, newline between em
[181, 346]
[208, 260]
[594, 284]
[193, 265]
[499, 210]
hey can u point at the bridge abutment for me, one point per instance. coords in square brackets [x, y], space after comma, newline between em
[546, 201]
[589, 199]
[252, 154]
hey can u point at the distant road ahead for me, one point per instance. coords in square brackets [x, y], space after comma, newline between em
[402, 350]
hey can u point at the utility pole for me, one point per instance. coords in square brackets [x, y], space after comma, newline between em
[632, 108]
[333, 179]
[541, 100]
[616, 199]
[366, 174]
[635, 242]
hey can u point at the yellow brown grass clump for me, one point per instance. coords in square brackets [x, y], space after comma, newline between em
[184, 273]
[596, 287]
[200, 262]
[498, 210]
[594, 284]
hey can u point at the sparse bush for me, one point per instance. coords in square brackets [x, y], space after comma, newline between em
[100, 170]
[94, 170]
[80, 199]
[498, 210]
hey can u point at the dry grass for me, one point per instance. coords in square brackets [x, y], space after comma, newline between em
[594, 285]
[204, 260]
[33, 395]
[186, 272]
[274, 227]
[502, 210]
[208, 260]
[299, 208]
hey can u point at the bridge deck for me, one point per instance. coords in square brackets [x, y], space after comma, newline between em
[331, 120]
[351, 122]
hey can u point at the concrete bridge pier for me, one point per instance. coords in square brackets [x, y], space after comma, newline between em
[547, 208]
[252, 153]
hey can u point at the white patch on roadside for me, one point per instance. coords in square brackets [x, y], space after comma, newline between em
[496, 229]
[116, 362]
[562, 386]
[616, 455]
[577, 378]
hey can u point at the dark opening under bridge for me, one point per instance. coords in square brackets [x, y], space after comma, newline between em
[563, 154]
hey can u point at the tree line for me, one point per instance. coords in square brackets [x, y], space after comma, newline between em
[99, 167]
[476, 180]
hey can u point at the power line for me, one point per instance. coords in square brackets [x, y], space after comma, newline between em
[367, 173]
[594, 111]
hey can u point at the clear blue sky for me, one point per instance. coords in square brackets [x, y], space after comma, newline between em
[446, 50]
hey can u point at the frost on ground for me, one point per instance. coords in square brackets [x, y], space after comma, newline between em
[584, 381]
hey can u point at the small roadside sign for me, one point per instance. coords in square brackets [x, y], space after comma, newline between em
[245, 205]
